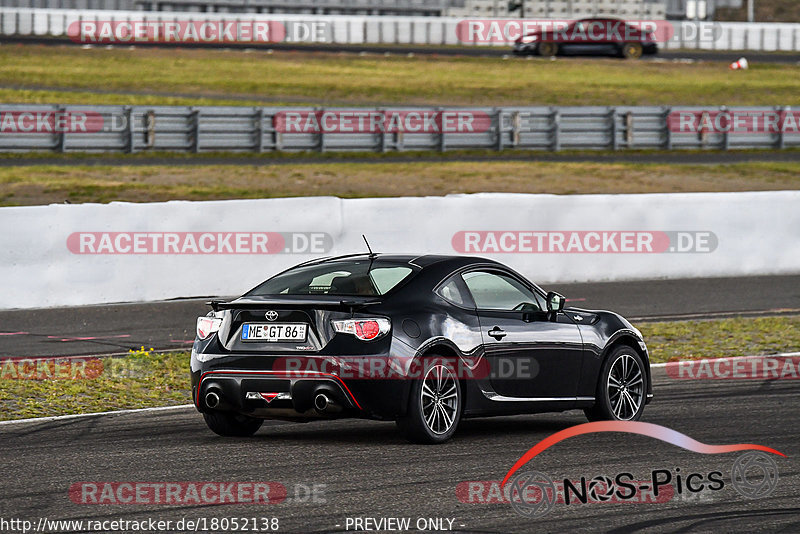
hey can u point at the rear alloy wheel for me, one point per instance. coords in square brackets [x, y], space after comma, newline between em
[435, 405]
[548, 49]
[621, 389]
[232, 424]
[632, 50]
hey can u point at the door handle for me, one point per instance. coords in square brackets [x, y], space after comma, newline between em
[497, 333]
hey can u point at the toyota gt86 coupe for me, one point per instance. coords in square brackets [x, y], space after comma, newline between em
[421, 340]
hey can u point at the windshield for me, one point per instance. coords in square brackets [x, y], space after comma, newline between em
[353, 278]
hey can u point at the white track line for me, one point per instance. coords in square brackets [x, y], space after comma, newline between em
[80, 415]
[732, 358]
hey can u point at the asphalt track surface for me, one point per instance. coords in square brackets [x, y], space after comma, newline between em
[368, 470]
[116, 328]
[471, 51]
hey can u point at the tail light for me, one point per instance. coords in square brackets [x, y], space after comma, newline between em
[207, 326]
[364, 329]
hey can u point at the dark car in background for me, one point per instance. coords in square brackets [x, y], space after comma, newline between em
[593, 36]
[423, 340]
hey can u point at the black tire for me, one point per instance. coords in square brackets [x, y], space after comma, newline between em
[616, 402]
[547, 49]
[232, 424]
[434, 407]
[632, 50]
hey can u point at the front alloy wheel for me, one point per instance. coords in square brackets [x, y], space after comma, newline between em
[435, 405]
[621, 389]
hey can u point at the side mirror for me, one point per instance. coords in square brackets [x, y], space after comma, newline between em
[555, 302]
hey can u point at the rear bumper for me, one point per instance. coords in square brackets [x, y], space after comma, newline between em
[251, 384]
[272, 393]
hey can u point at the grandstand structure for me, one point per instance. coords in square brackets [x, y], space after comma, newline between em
[561, 9]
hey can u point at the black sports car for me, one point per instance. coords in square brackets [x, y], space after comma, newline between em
[594, 36]
[423, 340]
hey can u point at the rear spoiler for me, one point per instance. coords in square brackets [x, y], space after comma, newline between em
[347, 303]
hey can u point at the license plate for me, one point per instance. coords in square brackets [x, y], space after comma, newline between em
[274, 332]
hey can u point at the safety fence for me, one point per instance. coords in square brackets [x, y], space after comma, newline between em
[68, 128]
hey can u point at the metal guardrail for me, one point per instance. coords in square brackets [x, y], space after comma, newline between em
[200, 129]
[421, 30]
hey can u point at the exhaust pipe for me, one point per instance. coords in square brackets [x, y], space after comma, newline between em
[212, 399]
[324, 404]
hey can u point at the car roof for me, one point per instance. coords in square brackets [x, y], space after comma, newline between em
[420, 260]
[589, 19]
[600, 19]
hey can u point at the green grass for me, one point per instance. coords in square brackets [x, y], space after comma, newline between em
[141, 380]
[44, 184]
[147, 379]
[37, 96]
[719, 338]
[183, 76]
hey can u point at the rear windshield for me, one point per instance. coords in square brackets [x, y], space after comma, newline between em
[354, 278]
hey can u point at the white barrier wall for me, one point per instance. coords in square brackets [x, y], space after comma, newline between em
[358, 29]
[62, 255]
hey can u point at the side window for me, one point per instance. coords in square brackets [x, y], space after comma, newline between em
[495, 291]
[385, 278]
[451, 292]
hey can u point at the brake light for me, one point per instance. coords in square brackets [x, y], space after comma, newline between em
[207, 326]
[364, 329]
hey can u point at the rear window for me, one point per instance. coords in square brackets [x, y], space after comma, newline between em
[353, 278]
